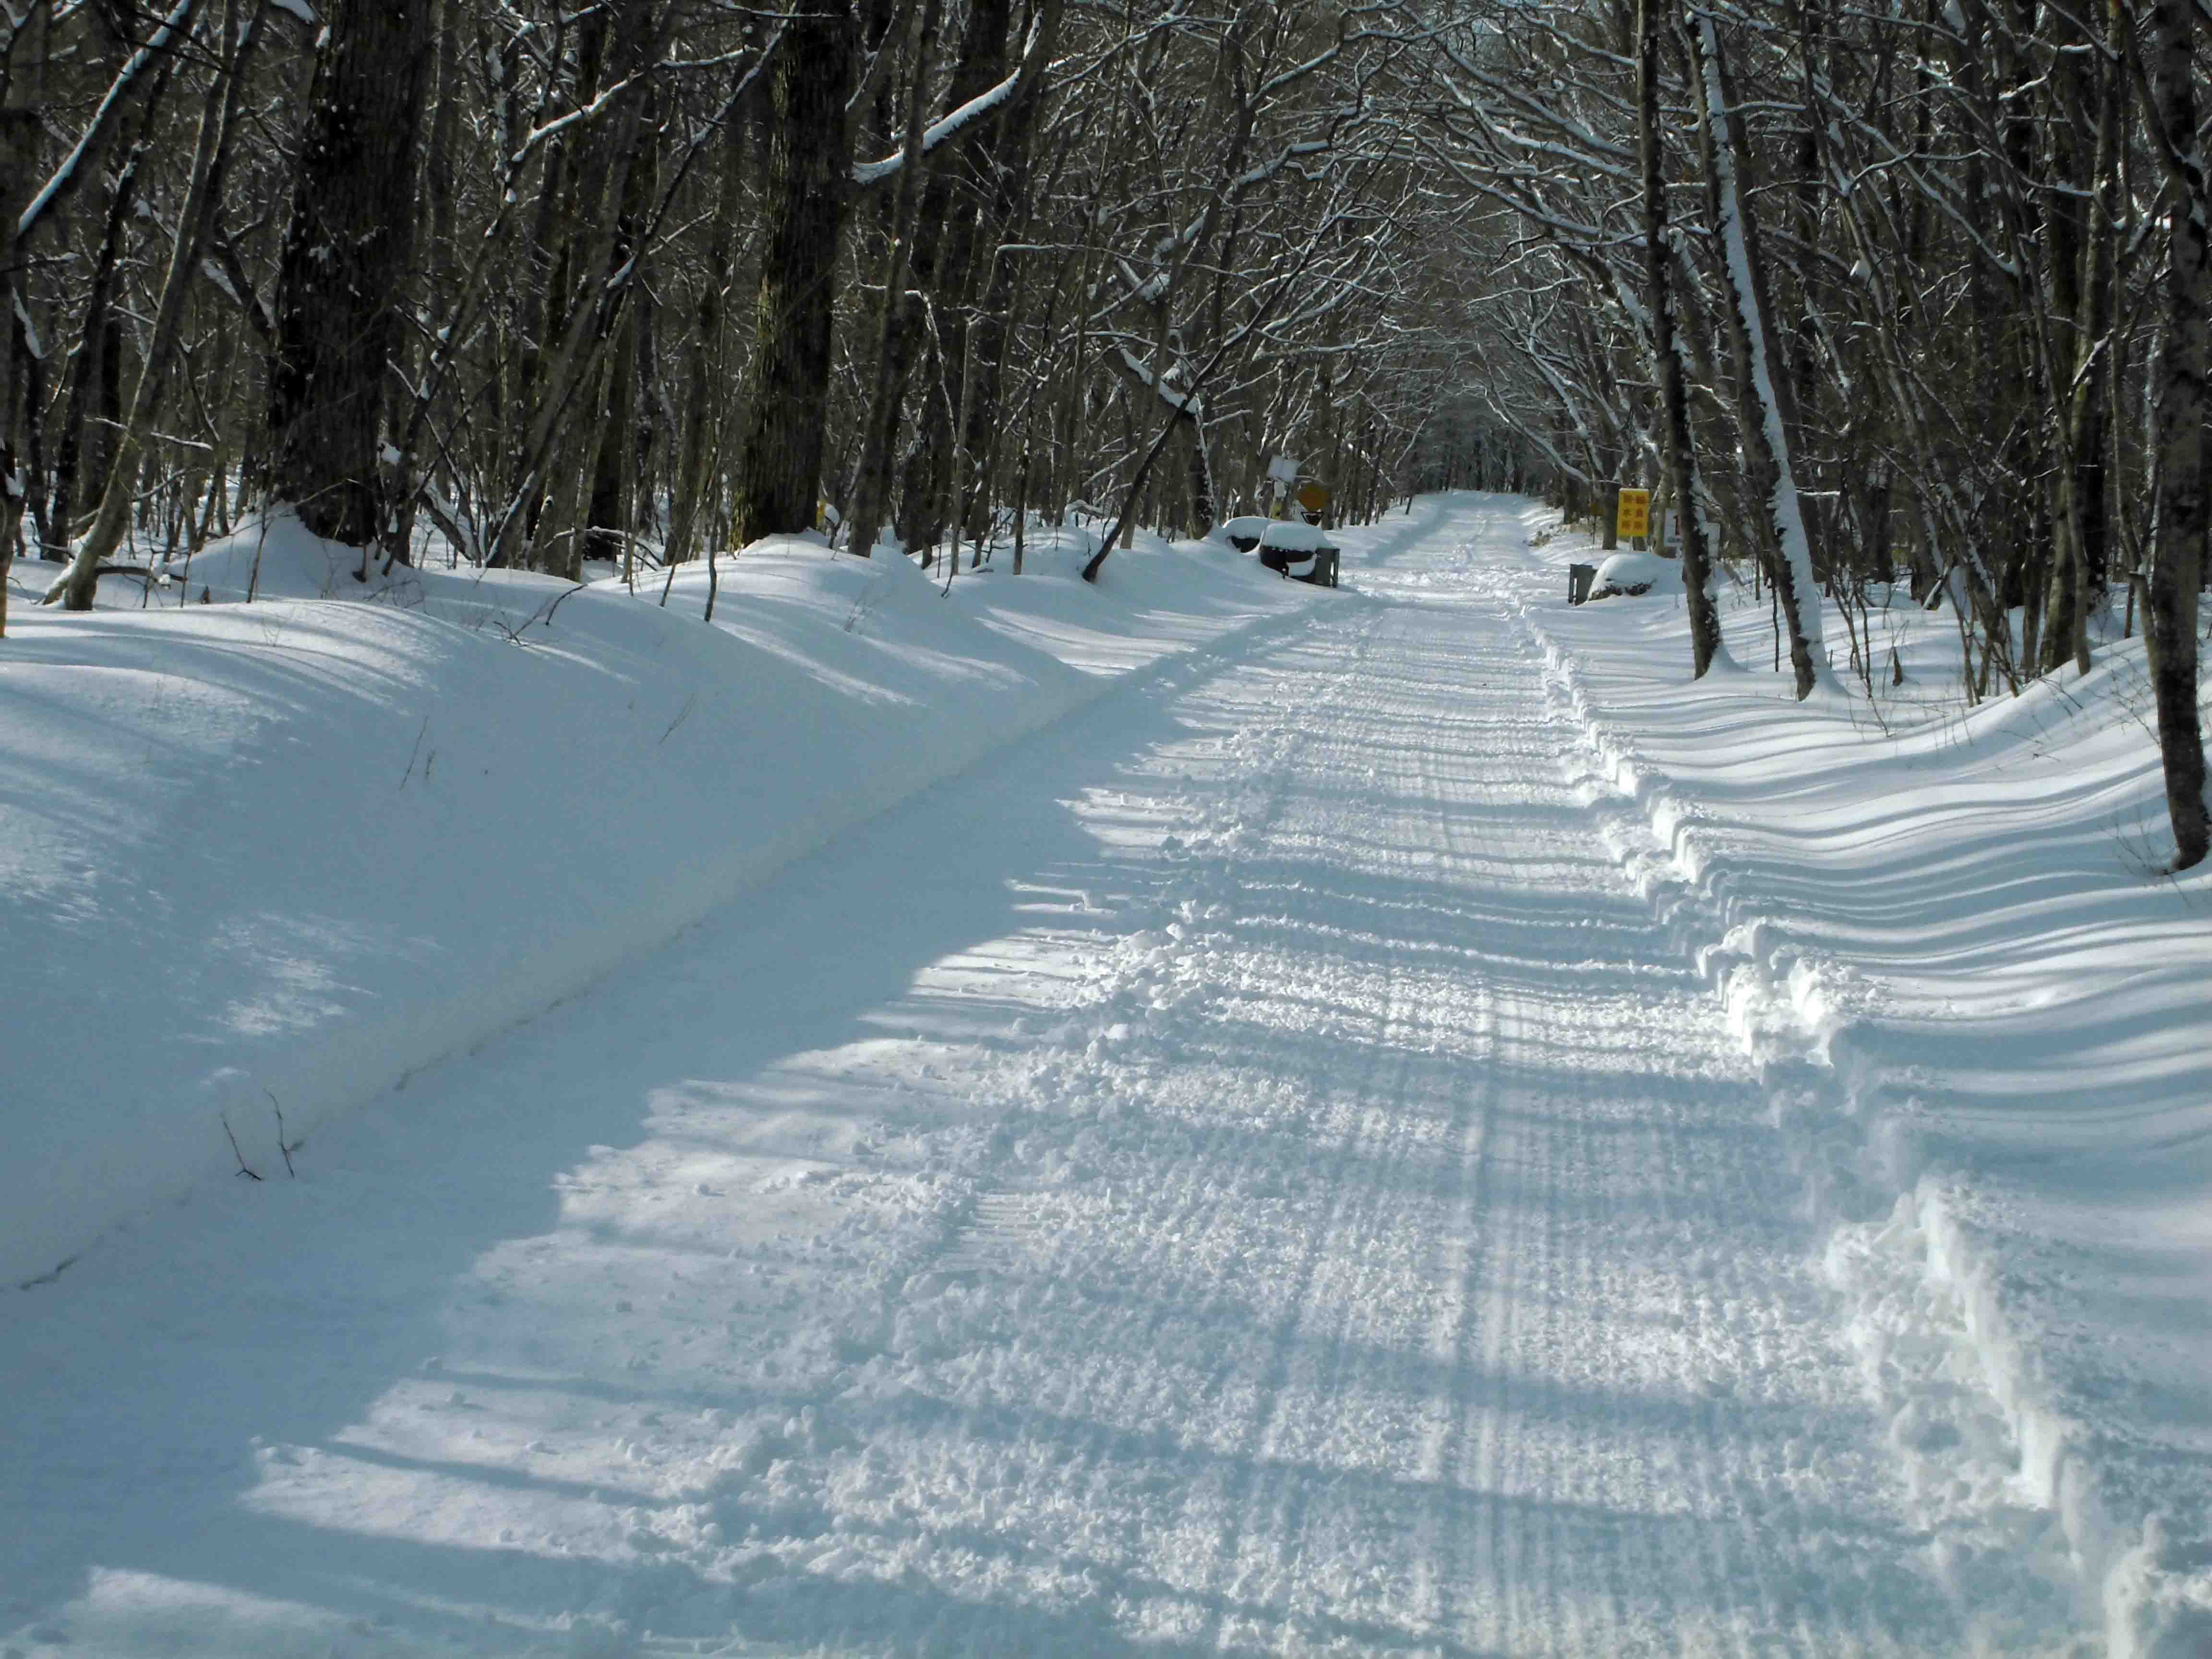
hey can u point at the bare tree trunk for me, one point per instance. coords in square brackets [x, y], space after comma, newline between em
[872, 480]
[19, 139]
[2078, 576]
[809, 186]
[945, 254]
[1674, 390]
[591, 286]
[80, 582]
[1765, 434]
[686, 508]
[348, 260]
[614, 458]
[1015, 146]
[80, 455]
[2178, 544]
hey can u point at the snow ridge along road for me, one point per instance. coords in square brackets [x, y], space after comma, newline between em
[1240, 1171]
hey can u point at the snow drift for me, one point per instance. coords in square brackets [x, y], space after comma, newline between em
[273, 857]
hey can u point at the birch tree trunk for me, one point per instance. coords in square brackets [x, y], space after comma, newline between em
[1765, 438]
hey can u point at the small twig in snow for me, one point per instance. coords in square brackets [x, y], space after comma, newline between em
[682, 714]
[413, 752]
[287, 1147]
[243, 1168]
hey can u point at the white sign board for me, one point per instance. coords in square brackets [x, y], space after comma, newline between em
[1284, 468]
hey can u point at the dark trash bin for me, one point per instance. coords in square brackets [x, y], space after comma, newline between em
[1579, 578]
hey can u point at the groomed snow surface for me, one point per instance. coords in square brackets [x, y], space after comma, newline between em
[1196, 1115]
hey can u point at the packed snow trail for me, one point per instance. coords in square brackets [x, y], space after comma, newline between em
[1241, 1171]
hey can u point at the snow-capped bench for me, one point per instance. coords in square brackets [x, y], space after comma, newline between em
[1286, 543]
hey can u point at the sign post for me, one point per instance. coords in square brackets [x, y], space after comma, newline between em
[1634, 513]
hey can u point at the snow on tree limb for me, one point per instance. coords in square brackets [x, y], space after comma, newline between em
[949, 127]
[65, 176]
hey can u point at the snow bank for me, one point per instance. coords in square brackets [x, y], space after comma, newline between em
[274, 857]
[1979, 1012]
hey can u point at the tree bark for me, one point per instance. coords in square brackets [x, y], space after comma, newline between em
[344, 275]
[2178, 545]
[2078, 574]
[1674, 389]
[809, 190]
[1014, 150]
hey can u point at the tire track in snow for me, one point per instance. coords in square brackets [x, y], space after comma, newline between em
[1351, 1339]
[1354, 1236]
[1538, 1555]
[1351, 1243]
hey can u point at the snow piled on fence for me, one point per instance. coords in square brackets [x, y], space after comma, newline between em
[1979, 1009]
[274, 857]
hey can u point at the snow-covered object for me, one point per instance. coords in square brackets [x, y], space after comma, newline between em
[1244, 533]
[1295, 536]
[296, 849]
[1633, 573]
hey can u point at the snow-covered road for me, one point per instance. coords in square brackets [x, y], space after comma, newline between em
[1241, 1169]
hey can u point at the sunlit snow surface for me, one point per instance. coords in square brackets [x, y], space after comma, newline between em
[1258, 1165]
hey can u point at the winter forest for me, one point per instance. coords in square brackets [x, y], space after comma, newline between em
[1920, 291]
[1115, 827]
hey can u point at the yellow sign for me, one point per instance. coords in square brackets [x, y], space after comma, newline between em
[1634, 515]
[1313, 498]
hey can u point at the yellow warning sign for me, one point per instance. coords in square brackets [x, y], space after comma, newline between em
[1313, 498]
[1634, 515]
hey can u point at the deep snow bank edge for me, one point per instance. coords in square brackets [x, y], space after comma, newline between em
[892, 691]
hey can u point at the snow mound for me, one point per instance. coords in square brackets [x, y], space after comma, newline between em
[1632, 573]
